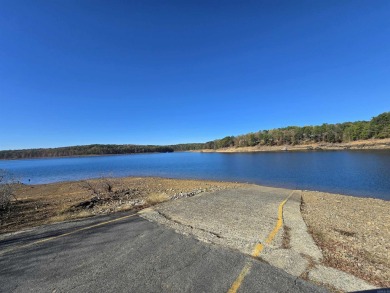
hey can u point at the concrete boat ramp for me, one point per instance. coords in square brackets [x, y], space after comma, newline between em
[263, 222]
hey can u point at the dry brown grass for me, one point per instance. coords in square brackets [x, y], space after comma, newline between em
[155, 198]
[286, 237]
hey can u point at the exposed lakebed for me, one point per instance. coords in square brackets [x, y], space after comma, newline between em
[359, 173]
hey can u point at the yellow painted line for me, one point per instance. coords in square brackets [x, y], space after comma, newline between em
[240, 278]
[65, 234]
[259, 247]
[279, 223]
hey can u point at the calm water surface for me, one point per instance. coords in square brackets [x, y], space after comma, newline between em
[360, 173]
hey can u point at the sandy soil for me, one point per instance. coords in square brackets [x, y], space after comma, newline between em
[353, 233]
[372, 144]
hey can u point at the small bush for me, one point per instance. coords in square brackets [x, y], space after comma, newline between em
[6, 192]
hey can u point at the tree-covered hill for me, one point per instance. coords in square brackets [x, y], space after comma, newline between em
[84, 150]
[378, 127]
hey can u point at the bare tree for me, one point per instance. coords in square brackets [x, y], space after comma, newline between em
[98, 187]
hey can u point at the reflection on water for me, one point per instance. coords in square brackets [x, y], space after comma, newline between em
[361, 173]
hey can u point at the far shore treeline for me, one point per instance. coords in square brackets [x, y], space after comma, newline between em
[83, 150]
[378, 127]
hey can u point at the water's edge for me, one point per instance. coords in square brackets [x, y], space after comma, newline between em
[356, 173]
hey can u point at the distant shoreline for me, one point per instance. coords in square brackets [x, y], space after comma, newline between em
[82, 156]
[372, 144]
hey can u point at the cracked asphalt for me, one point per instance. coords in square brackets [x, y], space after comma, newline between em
[129, 255]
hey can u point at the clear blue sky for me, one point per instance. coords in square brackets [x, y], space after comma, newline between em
[161, 72]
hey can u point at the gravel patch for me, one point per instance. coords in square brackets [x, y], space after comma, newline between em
[353, 233]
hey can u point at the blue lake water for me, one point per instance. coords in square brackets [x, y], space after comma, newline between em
[359, 173]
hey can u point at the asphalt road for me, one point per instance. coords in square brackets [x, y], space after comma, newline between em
[129, 255]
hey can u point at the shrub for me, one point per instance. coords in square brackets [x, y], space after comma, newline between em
[6, 192]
